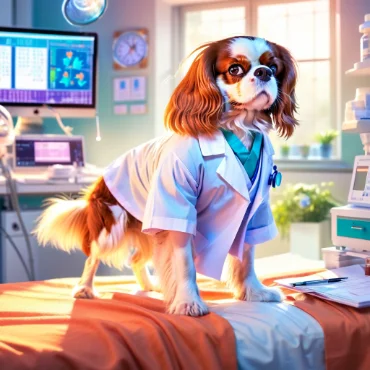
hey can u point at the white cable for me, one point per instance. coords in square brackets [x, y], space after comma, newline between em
[66, 129]
[98, 136]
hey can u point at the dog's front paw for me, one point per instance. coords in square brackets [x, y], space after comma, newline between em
[259, 293]
[83, 291]
[189, 307]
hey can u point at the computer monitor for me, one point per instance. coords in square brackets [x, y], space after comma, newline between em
[40, 68]
[41, 151]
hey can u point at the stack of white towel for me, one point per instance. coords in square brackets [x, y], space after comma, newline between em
[359, 109]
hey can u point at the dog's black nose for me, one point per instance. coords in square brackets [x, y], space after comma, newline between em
[263, 74]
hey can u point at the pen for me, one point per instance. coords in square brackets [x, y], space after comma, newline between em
[323, 281]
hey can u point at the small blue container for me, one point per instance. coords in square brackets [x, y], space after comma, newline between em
[326, 150]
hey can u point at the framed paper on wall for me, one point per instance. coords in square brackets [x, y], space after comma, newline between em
[130, 49]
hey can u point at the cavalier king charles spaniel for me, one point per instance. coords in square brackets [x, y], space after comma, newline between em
[240, 84]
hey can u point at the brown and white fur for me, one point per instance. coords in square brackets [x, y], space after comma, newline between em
[257, 78]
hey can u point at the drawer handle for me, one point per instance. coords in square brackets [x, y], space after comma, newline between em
[357, 228]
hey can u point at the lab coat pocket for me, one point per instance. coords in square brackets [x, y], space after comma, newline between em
[200, 243]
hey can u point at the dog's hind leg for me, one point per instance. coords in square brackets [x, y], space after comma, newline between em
[85, 287]
[143, 277]
[140, 256]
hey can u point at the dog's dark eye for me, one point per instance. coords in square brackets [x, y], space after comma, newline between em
[236, 70]
[273, 68]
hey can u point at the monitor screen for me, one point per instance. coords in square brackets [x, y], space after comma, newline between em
[359, 190]
[47, 68]
[360, 178]
[47, 151]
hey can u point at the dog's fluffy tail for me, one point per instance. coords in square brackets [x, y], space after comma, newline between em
[63, 224]
[97, 225]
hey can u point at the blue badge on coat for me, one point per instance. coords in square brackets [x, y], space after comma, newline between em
[275, 178]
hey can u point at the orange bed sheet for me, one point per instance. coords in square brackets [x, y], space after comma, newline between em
[42, 327]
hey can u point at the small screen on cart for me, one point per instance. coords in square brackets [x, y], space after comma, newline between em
[360, 178]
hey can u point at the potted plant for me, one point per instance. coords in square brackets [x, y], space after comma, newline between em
[303, 214]
[305, 151]
[325, 139]
[284, 151]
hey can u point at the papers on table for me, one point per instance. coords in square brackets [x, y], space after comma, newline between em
[354, 291]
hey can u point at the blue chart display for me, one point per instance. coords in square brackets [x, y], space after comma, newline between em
[39, 68]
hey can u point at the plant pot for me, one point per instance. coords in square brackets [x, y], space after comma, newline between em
[284, 152]
[305, 151]
[308, 238]
[325, 150]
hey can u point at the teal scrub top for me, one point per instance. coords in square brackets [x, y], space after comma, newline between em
[248, 158]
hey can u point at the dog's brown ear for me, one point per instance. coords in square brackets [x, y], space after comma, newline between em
[195, 106]
[285, 107]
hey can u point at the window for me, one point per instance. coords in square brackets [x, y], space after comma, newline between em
[201, 25]
[303, 26]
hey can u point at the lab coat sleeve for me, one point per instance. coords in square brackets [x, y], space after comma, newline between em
[261, 228]
[171, 203]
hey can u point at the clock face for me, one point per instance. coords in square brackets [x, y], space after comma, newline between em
[129, 49]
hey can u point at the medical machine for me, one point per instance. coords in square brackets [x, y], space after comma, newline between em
[49, 158]
[43, 72]
[351, 223]
[36, 152]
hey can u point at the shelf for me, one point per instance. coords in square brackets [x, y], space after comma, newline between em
[358, 127]
[360, 69]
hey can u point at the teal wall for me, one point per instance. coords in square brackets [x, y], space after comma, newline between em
[119, 133]
[351, 146]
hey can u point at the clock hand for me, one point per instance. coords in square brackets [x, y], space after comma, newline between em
[124, 56]
[137, 55]
[131, 42]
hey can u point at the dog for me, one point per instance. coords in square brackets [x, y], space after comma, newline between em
[184, 201]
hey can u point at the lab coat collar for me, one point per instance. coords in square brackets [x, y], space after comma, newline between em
[267, 146]
[212, 145]
[230, 169]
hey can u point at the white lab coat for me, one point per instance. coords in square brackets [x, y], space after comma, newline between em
[196, 186]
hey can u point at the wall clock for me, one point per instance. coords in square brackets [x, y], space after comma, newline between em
[130, 49]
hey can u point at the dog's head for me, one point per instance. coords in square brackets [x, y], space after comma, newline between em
[250, 73]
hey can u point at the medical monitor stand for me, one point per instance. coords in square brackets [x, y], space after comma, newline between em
[30, 119]
[28, 125]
